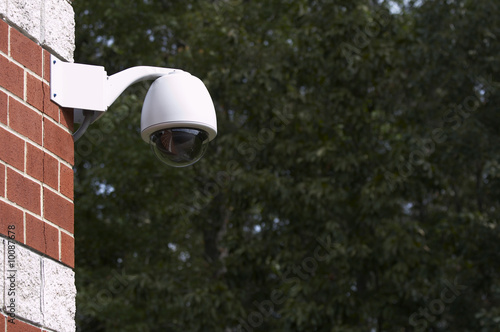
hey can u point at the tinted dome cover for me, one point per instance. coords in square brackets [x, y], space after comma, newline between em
[179, 147]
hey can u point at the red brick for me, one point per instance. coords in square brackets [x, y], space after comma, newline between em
[42, 236]
[4, 37]
[34, 162]
[46, 65]
[51, 241]
[34, 93]
[58, 210]
[2, 180]
[3, 108]
[11, 216]
[67, 181]
[67, 118]
[21, 326]
[59, 141]
[26, 51]
[11, 77]
[12, 149]
[25, 121]
[23, 191]
[2, 324]
[67, 249]
[35, 233]
[49, 107]
[51, 171]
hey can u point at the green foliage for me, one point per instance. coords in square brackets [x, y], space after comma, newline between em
[353, 185]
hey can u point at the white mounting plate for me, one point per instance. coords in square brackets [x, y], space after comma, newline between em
[77, 86]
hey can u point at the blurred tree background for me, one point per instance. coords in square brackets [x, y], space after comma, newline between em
[354, 183]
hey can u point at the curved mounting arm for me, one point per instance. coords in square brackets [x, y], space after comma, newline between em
[118, 82]
[87, 87]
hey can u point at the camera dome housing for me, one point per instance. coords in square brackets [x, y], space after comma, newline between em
[179, 147]
[178, 118]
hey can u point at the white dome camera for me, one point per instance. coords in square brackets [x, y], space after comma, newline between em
[178, 119]
[178, 115]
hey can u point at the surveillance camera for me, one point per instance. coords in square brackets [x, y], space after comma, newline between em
[178, 119]
[178, 116]
[179, 147]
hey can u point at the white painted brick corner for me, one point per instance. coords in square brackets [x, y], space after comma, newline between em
[2, 273]
[51, 23]
[59, 294]
[58, 28]
[28, 284]
[3, 7]
[45, 290]
[26, 15]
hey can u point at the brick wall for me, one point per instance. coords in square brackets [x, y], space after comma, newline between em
[36, 183]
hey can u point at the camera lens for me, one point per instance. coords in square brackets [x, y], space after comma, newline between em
[179, 147]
